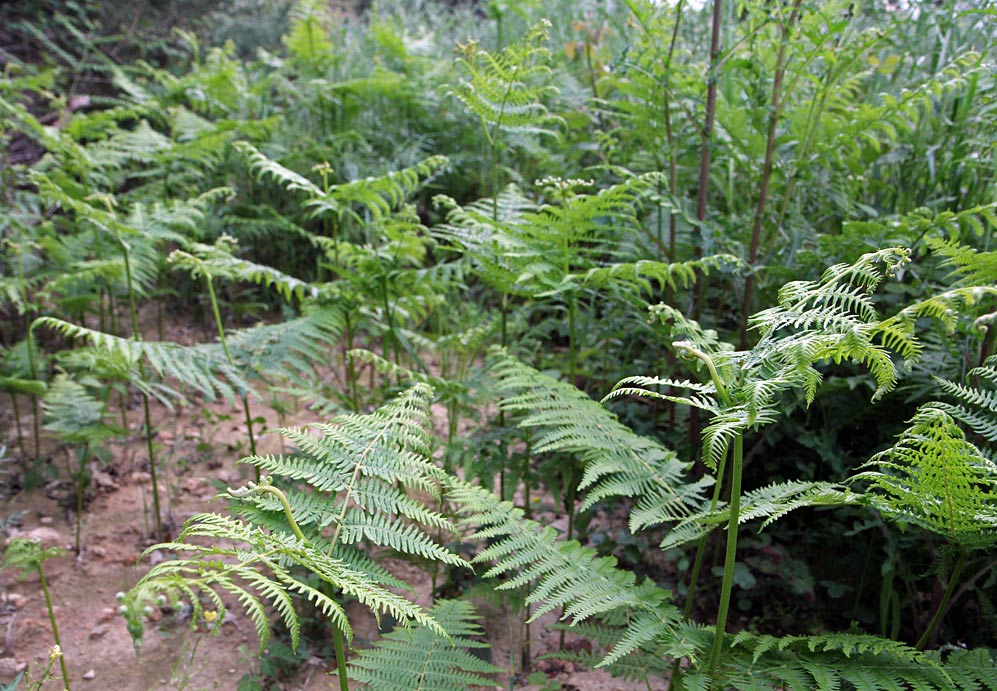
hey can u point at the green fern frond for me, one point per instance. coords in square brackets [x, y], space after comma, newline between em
[565, 574]
[617, 462]
[357, 474]
[970, 266]
[421, 658]
[506, 90]
[198, 367]
[74, 414]
[935, 478]
[674, 275]
[770, 503]
[218, 261]
[363, 466]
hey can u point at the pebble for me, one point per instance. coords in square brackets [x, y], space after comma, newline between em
[90, 675]
[15, 600]
[106, 615]
[8, 667]
[49, 537]
[98, 552]
[99, 631]
[157, 557]
[46, 520]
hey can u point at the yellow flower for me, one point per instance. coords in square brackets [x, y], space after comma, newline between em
[54, 653]
[210, 615]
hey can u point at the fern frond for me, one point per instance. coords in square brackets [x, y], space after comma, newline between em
[421, 658]
[935, 478]
[617, 462]
[74, 414]
[566, 574]
[506, 90]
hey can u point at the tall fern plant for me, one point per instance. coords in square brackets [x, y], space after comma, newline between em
[356, 481]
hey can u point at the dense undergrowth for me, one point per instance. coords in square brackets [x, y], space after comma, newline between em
[762, 231]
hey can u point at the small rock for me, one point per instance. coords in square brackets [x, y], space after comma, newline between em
[106, 615]
[155, 615]
[98, 631]
[8, 667]
[104, 480]
[46, 520]
[140, 476]
[193, 485]
[15, 600]
[90, 675]
[49, 537]
[157, 557]
[99, 552]
[231, 670]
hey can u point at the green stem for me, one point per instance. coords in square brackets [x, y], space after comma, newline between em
[32, 367]
[697, 566]
[84, 456]
[55, 627]
[228, 356]
[730, 558]
[943, 606]
[137, 336]
[337, 642]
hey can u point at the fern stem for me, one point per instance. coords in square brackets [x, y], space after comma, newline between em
[730, 558]
[228, 356]
[55, 627]
[337, 642]
[137, 336]
[84, 456]
[17, 424]
[30, 343]
[697, 566]
[943, 605]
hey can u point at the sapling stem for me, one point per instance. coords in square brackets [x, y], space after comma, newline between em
[730, 558]
[137, 336]
[30, 343]
[943, 605]
[228, 356]
[55, 627]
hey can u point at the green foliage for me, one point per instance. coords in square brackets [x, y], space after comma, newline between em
[419, 657]
[359, 470]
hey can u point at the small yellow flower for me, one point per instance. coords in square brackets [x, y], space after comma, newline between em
[210, 615]
[54, 653]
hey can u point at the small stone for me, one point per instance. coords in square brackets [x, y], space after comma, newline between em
[140, 476]
[104, 480]
[157, 557]
[231, 670]
[15, 600]
[98, 631]
[99, 552]
[90, 675]
[46, 520]
[8, 667]
[106, 615]
[49, 537]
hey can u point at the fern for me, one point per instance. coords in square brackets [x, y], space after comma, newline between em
[617, 462]
[359, 471]
[419, 657]
[505, 90]
[935, 478]
[564, 574]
